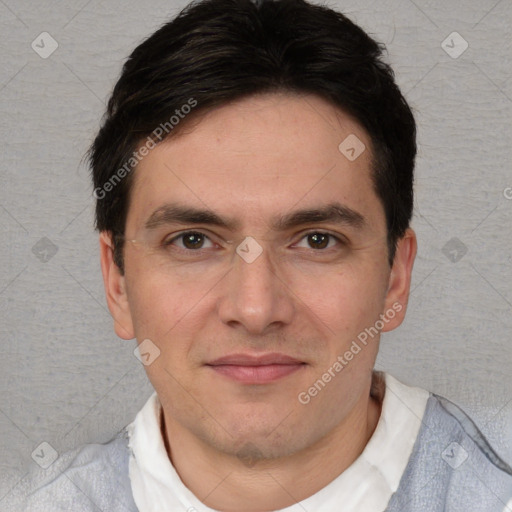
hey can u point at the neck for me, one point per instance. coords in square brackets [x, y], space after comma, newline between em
[222, 482]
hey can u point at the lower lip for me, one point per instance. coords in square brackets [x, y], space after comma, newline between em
[257, 374]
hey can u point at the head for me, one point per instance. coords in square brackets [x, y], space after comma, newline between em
[277, 121]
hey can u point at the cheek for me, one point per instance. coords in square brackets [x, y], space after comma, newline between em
[162, 295]
[170, 316]
[159, 304]
[345, 301]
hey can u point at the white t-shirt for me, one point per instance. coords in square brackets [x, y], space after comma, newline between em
[365, 486]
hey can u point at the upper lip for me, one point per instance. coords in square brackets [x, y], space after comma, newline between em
[254, 360]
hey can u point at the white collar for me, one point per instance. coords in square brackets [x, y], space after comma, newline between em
[365, 486]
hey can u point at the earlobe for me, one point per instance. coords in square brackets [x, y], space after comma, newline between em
[115, 289]
[400, 279]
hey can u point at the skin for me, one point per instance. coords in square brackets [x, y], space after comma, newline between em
[255, 447]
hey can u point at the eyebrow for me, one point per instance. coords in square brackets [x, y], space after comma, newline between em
[333, 212]
[173, 213]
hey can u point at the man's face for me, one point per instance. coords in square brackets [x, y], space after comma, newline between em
[243, 334]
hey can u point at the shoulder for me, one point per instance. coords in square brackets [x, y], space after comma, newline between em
[90, 478]
[452, 466]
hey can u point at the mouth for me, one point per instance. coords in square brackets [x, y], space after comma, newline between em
[251, 369]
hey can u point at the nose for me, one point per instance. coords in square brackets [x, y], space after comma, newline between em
[255, 297]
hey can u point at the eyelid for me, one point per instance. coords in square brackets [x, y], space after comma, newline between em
[171, 238]
[214, 239]
[337, 236]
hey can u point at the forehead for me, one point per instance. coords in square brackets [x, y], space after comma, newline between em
[257, 157]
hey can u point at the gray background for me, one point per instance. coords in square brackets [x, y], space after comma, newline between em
[65, 378]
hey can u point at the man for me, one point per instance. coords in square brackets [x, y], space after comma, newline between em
[253, 179]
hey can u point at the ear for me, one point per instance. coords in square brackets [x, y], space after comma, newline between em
[399, 284]
[115, 289]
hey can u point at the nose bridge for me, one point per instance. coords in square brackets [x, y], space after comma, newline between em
[254, 266]
[255, 295]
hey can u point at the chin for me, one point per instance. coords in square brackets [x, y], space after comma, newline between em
[264, 439]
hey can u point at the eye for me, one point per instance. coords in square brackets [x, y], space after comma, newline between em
[319, 240]
[190, 240]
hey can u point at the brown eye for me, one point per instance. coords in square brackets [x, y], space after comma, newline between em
[192, 240]
[318, 240]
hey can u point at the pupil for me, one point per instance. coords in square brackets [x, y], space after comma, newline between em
[193, 240]
[319, 240]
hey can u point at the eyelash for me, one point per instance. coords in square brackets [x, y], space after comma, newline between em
[169, 242]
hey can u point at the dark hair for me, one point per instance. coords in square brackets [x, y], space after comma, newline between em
[217, 51]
